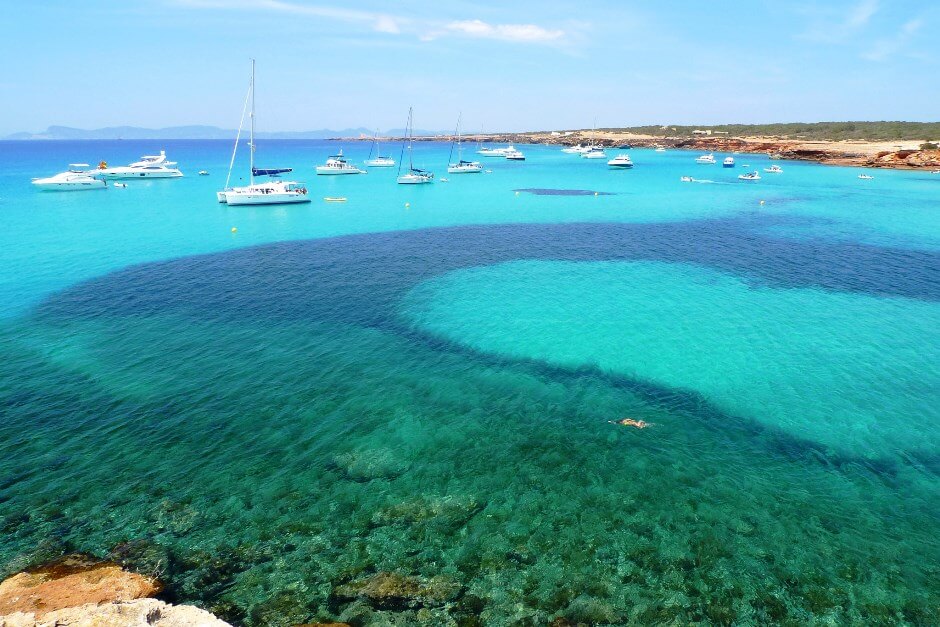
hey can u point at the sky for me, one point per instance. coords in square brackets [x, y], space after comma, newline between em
[507, 66]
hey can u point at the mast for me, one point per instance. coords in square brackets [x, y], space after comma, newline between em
[401, 157]
[251, 141]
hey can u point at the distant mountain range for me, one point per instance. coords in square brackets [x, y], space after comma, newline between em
[198, 132]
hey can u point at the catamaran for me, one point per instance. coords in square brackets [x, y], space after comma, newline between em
[378, 161]
[415, 176]
[76, 178]
[461, 166]
[270, 192]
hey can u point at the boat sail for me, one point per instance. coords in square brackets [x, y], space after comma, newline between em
[378, 161]
[461, 166]
[415, 176]
[267, 193]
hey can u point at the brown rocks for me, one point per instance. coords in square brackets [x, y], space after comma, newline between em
[394, 591]
[138, 613]
[72, 581]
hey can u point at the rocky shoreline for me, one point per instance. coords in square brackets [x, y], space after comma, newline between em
[904, 156]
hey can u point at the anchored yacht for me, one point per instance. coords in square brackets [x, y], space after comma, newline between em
[337, 164]
[150, 167]
[728, 162]
[594, 152]
[621, 162]
[414, 176]
[76, 178]
[514, 154]
[461, 166]
[706, 159]
[378, 161]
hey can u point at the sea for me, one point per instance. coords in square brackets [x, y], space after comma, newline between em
[403, 408]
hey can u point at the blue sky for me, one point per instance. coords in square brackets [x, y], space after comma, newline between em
[519, 65]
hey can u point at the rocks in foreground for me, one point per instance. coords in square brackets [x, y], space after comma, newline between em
[137, 613]
[78, 590]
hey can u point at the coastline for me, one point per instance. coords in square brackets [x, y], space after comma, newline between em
[898, 155]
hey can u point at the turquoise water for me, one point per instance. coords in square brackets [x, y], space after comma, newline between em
[338, 390]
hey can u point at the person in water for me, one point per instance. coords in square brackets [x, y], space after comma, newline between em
[630, 422]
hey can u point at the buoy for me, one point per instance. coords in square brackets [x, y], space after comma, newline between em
[595, 193]
[517, 193]
[234, 230]
[407, 204]
[762, 202]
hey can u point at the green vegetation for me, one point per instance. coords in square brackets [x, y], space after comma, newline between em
[872, 131]
[929, 146]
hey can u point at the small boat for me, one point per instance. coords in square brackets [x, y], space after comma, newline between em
[687, 179]
[621, 162]
[414, 176]
[750, 176]
[267, 193]
[514, 155]
[149, 166]
[378, 161]
[121, 185]
[461, 166]
[335, 198]
[624, 147]
[706, 159]
[936, 172]
[775, 156]
[595, 152]
[576, 150]
[865, 177]
[76, 178]
[494, 152]
[776, 169]
[660, 149]
[203, 173]
[728, 162]
[337, 164]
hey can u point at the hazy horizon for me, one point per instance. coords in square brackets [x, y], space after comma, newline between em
[528, 66]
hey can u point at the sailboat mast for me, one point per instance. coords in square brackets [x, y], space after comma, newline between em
[251, 141]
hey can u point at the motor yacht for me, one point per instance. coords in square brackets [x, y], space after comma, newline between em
[595, 152]
[775, 169]
[706, 159]
[337, 164]
[865, 177]
[150, 166]
[660, 149]
[494, 152]
[728, 162]
[750, 176]
[512, 154]
[576, 150]
[76, 178]
[686, 179]
[621, 162]
[268, 193]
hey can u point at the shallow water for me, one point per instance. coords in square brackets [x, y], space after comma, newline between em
[336, 391]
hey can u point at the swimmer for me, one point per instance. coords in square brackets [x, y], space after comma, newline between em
[630, 422]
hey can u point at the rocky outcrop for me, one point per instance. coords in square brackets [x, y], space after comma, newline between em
[72, 581]
[394, 591]
[137, 613]
[81, 591]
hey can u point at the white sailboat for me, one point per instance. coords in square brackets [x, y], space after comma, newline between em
[414, 176]
[270, 192]
[461, 166]
[378, 161]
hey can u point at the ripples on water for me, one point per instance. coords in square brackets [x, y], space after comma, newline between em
[271, 423]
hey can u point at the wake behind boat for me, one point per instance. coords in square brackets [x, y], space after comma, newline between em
[149, 166]
[267, 193]
[76, 178]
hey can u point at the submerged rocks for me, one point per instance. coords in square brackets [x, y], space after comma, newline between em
[137, 613]
[369, 464]
[452, 511]
[394, 591]
[72, 581]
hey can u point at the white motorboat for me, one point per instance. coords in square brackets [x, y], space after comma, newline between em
[576, 150]
[660, 149]
[621, 162]
[494, 152]
[686, 179]
[865, 177]
[76, 178]
[337, 164]
[774, 169]
[414, 176]
[750, 176]
[728, 162]
[595, 152]
[461, 166]
[513, 154]
[706, 159]
[378, 161]
[267, 193]
[150, 167]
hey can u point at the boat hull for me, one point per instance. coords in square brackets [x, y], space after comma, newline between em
[235, 198]
[325, 171]
[380, 163]
[122, 174]
[69, 186]
[411, 179]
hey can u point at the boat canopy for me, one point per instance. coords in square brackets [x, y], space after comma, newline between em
[270, 171]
